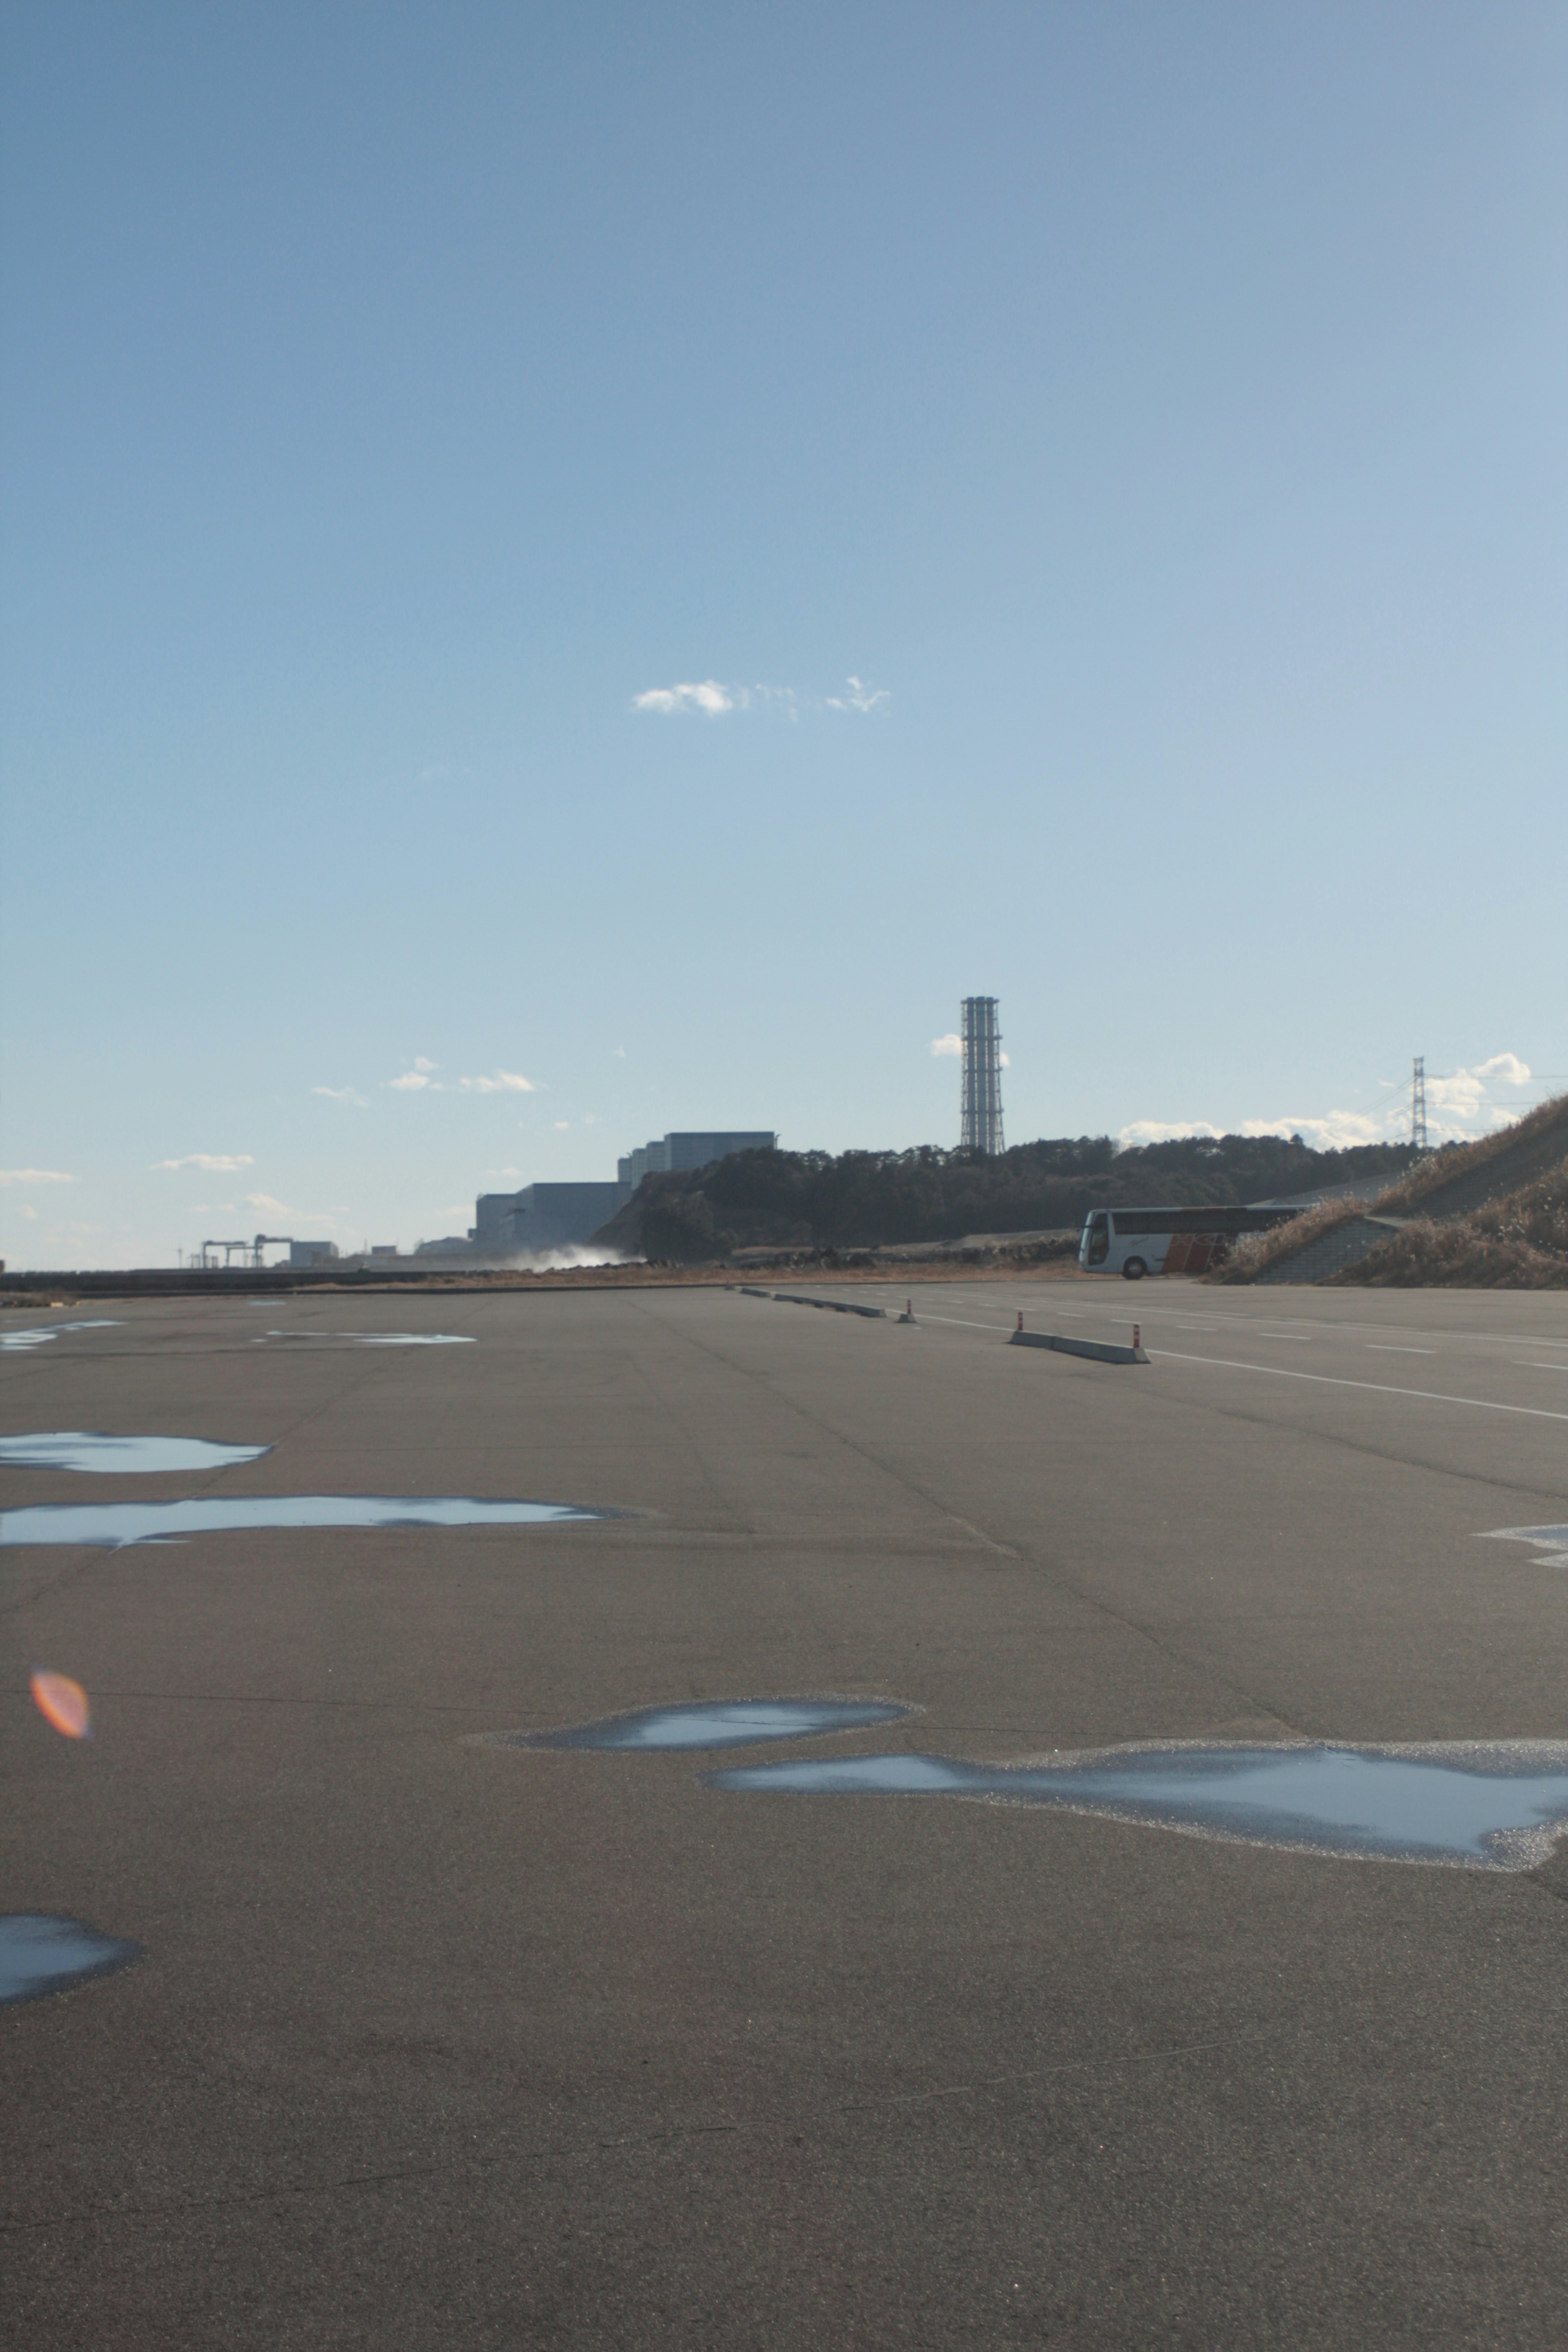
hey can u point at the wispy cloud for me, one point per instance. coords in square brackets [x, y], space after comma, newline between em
[421, 1078]
[858, 695]
[499, 1082]
[710, 698]
[213, 1163]
[952, 1044]
[35, 1176]
[266, 1206]
[342, 1094]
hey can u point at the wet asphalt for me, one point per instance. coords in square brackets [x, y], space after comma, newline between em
[440, 2042]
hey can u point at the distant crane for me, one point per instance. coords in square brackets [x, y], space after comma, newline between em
[227, 1248]
[266, 1241]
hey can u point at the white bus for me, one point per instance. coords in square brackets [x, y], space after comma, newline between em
[1135, 1241]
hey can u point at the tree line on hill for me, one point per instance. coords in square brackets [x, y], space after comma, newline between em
[863, 1200]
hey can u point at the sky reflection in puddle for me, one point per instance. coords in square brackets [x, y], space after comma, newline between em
[1485, 1804]
[710, 1723]
[90, 1449]
[40, 1955]
[1553, 1541]
[133, 1523]
[369, 1339]
[20, 1341]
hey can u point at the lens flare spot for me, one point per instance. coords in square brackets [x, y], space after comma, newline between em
[62, 1703]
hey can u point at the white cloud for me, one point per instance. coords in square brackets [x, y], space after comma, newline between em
[343, 1094]
[858, 696]
[31, 1215]
[1466, 1102]
[619, 1052]
[712, 699]
[499, 1082]
[502, 1171]
[952, 1044]
[1461, 1105]
[214, 1163]
[562, 1122]
[265, 1201]
[1338, 1130]
[35, 1176]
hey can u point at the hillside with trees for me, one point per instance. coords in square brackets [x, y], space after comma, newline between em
[865, 1199]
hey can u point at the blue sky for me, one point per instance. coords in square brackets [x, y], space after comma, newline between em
[1102, 468]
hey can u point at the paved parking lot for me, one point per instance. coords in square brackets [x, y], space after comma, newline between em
[441, 2043]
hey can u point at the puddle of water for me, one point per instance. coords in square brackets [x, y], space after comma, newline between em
[22, 1340]
[1487, 1805]
[370, 1339]
[133, 1523]
[713, 1722]
[40, 1955]
[1553, 1541]
[89, 1449]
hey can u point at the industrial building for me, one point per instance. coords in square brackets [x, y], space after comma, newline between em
[544, 1216]
[678, 1151]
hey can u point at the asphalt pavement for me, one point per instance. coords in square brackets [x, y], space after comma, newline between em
[441, 2043]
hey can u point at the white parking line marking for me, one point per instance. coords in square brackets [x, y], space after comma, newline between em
[1387, 1347]
[1381, 1387]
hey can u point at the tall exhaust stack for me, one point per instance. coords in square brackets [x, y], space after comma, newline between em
[982, 1077]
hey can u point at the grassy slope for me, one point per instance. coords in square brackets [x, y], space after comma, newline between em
[1507, 1241]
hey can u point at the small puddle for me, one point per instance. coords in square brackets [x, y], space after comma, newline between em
[1483, 1804]
[133, 1523]
[368, 1338]
[723, 1723]
[22, 1340]
[90, 1449]
[40, 1955]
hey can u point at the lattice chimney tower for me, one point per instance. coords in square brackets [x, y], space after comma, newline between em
[1418, 1104]
[982, 1077]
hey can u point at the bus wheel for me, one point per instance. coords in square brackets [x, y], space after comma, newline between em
[1135, 1269]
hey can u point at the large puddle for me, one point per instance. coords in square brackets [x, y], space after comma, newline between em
[133, 1523]
[90, 1449]
[1487, 1805]
[368, 1338]
[1553, 1541]
[22, 1340]
[724, 1723]
[40, 1955]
